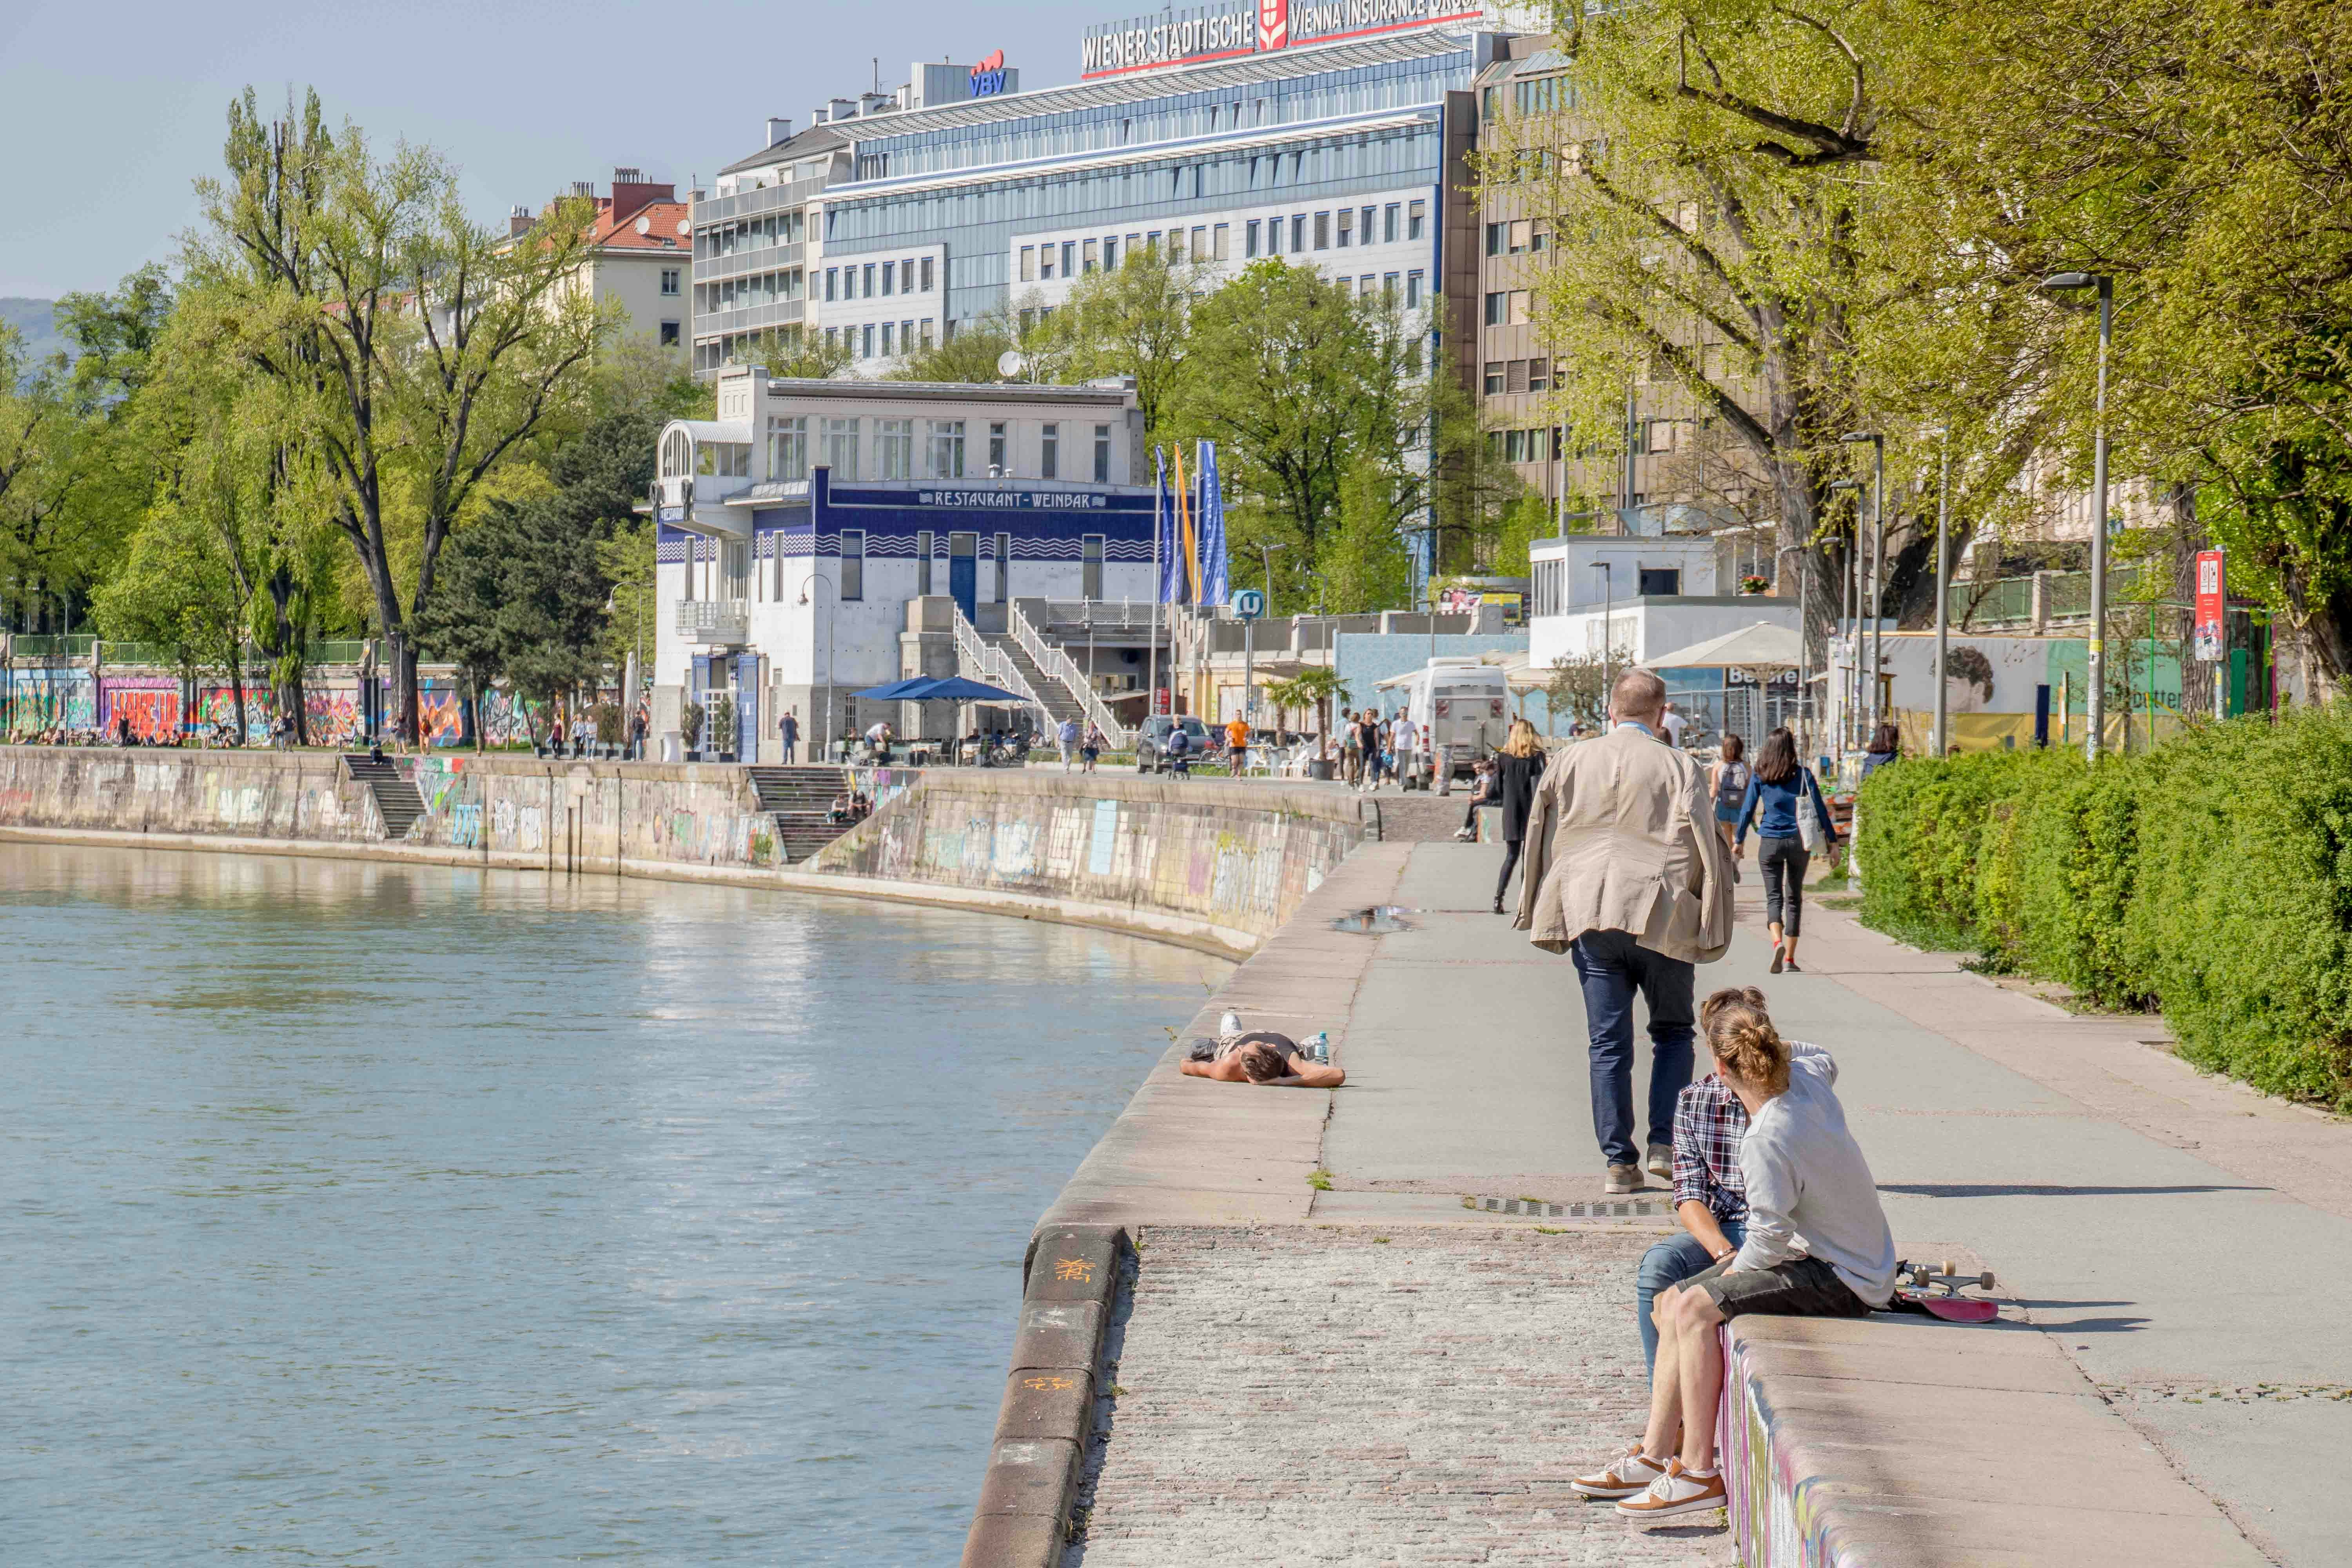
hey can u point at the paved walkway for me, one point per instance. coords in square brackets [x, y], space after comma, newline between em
[2171, 1232]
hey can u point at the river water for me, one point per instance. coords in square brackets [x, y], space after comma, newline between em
[358, 1214]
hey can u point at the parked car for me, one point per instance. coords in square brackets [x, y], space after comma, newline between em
[1152, 742]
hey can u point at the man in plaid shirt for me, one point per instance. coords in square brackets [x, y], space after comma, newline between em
[1709, 1197]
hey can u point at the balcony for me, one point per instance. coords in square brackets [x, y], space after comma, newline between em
[713, 620]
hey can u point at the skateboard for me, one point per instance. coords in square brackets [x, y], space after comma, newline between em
[1933, 1290]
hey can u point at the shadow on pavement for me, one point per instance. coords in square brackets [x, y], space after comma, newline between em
[2044, 1190]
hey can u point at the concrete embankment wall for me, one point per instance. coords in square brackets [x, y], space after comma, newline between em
[1212, 864]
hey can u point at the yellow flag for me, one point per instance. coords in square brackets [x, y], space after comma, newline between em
[1184, 515]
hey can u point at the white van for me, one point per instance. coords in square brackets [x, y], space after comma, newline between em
[1461, 703]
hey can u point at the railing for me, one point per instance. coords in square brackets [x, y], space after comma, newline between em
[72, 644]
[983, 661]
[1058, 663]
[1102, 615]
[713, 620]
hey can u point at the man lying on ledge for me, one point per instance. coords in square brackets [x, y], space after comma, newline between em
[1260, 1056]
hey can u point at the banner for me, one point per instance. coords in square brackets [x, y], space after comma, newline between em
[1164, 555]
[1191, 543]
[2212, 604]
[1214, 588]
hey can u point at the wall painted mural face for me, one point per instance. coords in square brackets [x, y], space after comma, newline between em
[1967, 680]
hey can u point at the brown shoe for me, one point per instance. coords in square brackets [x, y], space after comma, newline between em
[1674, 1493]
[1624, 1179]
[1629, 1475]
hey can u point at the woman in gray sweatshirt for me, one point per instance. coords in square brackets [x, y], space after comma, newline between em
[1817, 1246]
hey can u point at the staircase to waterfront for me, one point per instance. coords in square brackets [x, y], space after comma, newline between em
[396, 800]
[800, 802]
[1058, 701]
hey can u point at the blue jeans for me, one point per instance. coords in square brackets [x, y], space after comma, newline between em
[1610, 967]
[1671, 1262]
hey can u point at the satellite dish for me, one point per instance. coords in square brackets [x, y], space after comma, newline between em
[645, 225]
[1011, 363]
[684, 225]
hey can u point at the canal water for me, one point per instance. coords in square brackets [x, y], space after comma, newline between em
[356, 1214]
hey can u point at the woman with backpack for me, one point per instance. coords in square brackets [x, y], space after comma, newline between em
[1795, 822]
[1729, 778]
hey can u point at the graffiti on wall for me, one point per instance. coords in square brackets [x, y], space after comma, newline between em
[51, 698]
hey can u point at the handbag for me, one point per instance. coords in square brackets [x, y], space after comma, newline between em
[1809, 821]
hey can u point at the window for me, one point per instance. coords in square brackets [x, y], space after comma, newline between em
[1045, 257]
[669, 281]
[1111, 253]
[1069, 259]
[1004, 568]
[669, 334]
[865, 289]
[723, 459]
[1220, 242]
[906, 337]
[1322, 231]
[1388, 289]
[866, 341]
[1498, 305]
[1662, 580]
[1491, 104]
[1200, 243]
[832, 338]
[1520, 299]
[831, 281]
[1520, 229]
[886, 350]
[1388, 223]
[926, 329]
[1412, 290]
[1516, 376]
[1028, 264]
[922, 562]
[947, 449]
[1051, 460]
[1102, 454]
[853, 564]
[894, 447]
[1364, 224]
[1495, 232]
[788, 448]
[1538, 376]
[926, 274]
[676, 455]
[1249, 238]
[1346, 226]
[1090, 571]
[1297, 233]
[1494, 383]
[907, 276]
[998, 464]
[1416, 219]
[1089, 255]
[841, 448]
[889, 278]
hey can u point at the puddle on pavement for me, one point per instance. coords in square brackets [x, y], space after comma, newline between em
[1376, 920]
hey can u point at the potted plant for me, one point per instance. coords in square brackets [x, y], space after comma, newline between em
[690, 730]
[722, 727]
[1751, 584]
[1316, 687]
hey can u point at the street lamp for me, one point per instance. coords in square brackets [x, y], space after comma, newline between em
[1850, 608]
[1608, 613]
[813, 578]
[1877, 563]
[2095, 705]
[1249, 634]
[1943, 590]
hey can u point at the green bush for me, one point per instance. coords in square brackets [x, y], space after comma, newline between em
[2211, 877]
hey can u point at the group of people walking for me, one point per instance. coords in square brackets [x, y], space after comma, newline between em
[1373, 747]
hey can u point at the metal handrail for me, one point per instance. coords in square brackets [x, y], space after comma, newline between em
[983, 661]
[1058, 663]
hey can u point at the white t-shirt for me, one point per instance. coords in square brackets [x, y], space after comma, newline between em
[1674, 726]
[1404, 735]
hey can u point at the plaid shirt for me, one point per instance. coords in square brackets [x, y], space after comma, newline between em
[1709, 1123]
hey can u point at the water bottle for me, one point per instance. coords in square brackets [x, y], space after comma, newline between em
[1229, 1023]
[1318, 1046]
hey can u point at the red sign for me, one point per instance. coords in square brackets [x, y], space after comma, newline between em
[1273, 24]
[2211, 601]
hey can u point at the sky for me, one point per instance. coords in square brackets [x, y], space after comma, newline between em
[115, 111]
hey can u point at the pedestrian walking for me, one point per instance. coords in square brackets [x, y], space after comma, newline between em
[637, 734]
[788, 729]
[1674, 724]
[1625, 872]
[1237, 737]
[1351, 749]
[1795, 818]
[1886, 746]
[1065, 736]
[1403, 746]
[1519, 768]
[1091, 749]
[1727, 781]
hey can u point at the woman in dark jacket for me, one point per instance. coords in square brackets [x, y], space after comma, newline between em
[1519, 768]
[1886, 746]
[1780, 789]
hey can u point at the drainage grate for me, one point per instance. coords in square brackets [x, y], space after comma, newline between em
[1634, 1208]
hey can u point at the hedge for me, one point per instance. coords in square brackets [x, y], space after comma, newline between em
[2211, 878]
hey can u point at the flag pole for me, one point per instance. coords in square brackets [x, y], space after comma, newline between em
[1159, 587]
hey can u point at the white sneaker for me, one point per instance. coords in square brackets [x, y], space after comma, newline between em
[1629, 1476]
[1677, 1491]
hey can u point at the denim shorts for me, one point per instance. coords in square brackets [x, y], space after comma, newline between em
[1800, 1288]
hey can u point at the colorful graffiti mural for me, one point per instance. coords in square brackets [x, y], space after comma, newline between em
[148, 704]
[48, 699]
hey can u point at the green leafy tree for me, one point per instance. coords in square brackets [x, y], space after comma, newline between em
[1365, 563]
[969, 357]
[1135, 319]
[1316, 687]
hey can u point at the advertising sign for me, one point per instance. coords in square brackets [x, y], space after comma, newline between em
[1249, 604]
[1273, 24]
[1251, 27]
[2212, 603]
[988, 75]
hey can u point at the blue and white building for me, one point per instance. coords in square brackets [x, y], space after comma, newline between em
[822, 537]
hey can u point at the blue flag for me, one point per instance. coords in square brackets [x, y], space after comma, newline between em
[1214, 589]
[1164, 551]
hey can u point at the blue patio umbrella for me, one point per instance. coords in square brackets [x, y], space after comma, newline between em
[951, 689]
[898, 691]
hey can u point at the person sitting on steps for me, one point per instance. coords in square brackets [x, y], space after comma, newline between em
[1817, 1246]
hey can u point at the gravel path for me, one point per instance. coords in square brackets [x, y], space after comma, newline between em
[1335, 1394]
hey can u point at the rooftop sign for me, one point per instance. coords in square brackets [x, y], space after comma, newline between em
[1251, 27]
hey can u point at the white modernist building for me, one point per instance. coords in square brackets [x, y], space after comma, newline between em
[822, 537]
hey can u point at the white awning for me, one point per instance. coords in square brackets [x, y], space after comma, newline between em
[1762, 646]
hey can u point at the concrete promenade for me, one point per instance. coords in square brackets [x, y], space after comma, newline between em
[1327, 1357]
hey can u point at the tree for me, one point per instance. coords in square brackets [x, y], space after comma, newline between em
[1316, 687]
[1365, 563]
[1135, 319]
[969, 356]
[1579, 685]
[419, 350]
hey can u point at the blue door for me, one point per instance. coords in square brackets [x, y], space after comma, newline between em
[963, 573]
[746, 707]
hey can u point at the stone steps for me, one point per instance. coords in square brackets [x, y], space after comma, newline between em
[396, 800]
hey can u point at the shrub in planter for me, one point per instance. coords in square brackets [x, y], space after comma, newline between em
[722, 724]
[689, 725]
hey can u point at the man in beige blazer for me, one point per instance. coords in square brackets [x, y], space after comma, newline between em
[1626, 872]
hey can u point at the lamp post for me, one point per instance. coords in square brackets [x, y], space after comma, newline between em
[1249, 657]
[1850, 591]
[2094, 704]
[1877, 600]
[1943, 589]
[813, 578]
[1608, 654]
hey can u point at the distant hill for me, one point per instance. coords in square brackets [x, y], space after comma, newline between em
[35, 320]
